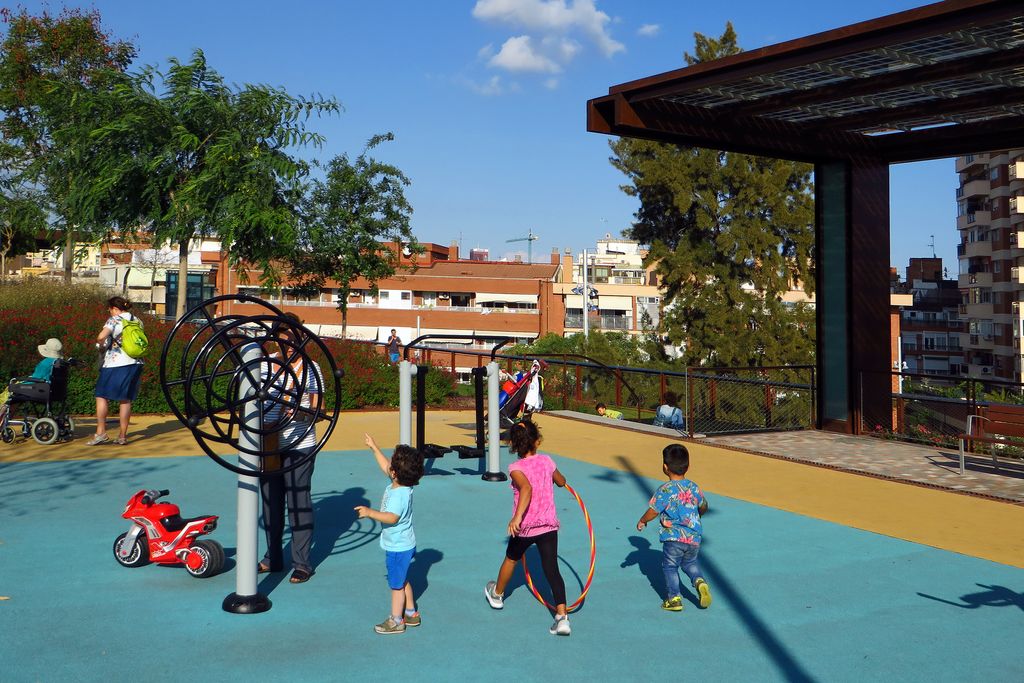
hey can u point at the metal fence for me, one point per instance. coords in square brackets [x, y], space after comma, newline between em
[713, 400]
[931, 409]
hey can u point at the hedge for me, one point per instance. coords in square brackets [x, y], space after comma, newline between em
[33, 311]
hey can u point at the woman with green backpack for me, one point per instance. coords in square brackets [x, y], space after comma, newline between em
[123, 343]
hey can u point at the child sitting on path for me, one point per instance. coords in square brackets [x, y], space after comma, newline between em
[680, 503]
[534, 520]
[397, 539]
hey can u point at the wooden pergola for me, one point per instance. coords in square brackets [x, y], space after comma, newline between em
[942, 80]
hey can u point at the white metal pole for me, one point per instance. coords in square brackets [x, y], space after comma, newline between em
[586, 299]
[493, 470]
[406, 371]
[246, 599]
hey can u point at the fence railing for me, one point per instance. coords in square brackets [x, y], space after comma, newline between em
[929, 409]
[713, 400]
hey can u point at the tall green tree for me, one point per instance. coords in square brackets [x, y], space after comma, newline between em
[359, 205]
[186, 155]
[730, 233]
[47, 62]
[22, 219]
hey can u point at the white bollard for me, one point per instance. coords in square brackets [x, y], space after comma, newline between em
[406, 371]
[493, 471]
[246, 599]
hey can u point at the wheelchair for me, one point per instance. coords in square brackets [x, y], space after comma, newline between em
[42, 406]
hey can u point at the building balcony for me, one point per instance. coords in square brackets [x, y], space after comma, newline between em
[982, 310]
[1016, 206]
[599, 322]
[979, 342]
[971, 161]
[979, 187]
[972, 219]
[1017, 275]
[1016, 170]
[979, 371]
[983, 248]
[975, 280]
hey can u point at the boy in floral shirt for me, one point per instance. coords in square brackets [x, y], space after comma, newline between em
[680, 503]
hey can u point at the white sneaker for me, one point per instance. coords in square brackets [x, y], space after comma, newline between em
[493, 599]
[560, 627]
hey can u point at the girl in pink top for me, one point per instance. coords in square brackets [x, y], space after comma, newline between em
[534, 520]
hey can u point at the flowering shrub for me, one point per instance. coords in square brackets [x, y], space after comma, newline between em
[33, 311]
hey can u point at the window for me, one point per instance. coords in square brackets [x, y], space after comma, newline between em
[406, 296]
[429, 298]
[997, 266]
[993, 173]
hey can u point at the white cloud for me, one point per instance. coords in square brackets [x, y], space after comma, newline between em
[486, 52]
[551, 83]
[648, 30]
[493, 86]
[519, 54]
[552, 17]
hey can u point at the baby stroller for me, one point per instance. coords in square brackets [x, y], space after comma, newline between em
[42, 406]
[512, 400]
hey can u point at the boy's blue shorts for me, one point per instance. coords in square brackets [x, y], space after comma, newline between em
[398, 567]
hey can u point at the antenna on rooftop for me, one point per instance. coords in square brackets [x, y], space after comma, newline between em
[932, 245]
[529, 239]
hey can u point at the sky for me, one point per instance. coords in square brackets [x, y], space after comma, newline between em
[487, 98]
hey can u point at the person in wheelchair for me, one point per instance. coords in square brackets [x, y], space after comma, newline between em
[42, 396]
[37, 385]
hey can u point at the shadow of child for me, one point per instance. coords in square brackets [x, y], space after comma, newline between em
[334, 515]
[422, 561]
[648, 561]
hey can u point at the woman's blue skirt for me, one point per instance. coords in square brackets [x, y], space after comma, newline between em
[119, 384]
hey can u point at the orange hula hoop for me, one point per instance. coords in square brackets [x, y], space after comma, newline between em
[590, 573]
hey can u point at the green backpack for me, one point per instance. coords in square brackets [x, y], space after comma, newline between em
[133, 338]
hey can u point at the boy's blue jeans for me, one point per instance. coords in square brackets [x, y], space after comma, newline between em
[677, 554]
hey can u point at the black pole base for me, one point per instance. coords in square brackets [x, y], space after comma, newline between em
[494, 476]
[246, 604]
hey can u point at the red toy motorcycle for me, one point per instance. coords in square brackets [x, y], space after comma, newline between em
[159, 534]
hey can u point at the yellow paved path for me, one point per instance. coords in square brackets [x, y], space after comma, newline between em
[950, 521]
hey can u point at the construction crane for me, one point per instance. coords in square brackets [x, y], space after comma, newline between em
[529, 239]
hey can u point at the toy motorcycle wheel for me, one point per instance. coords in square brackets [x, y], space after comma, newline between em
[139, 554]
[7, 435]
[45, 430]
[204, 559]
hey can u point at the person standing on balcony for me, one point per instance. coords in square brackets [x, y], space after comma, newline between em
[393, 344]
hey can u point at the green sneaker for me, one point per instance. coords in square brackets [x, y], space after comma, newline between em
[704, 592]
[389, 626]
[673, 604]
[412, 619]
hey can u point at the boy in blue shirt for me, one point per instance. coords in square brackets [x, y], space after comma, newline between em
[397, 538]
[680, 503]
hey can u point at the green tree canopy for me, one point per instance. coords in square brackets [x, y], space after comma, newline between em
[348, 215]
[48, 62]
[730, 233]
[186, 155]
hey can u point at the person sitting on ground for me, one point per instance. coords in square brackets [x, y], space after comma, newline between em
[605, 411]
[669, 414]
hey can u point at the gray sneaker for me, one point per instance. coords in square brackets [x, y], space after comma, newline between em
[560, 627]
[389, 626]
[493, 599]
[97, 439]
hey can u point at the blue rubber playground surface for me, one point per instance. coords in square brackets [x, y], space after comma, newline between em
[795, 598]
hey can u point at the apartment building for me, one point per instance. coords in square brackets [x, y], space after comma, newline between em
[443, 294]
[622, 294]
[930, 326]
[990, 219]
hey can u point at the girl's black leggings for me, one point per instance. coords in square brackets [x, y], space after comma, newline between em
[547, 545]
